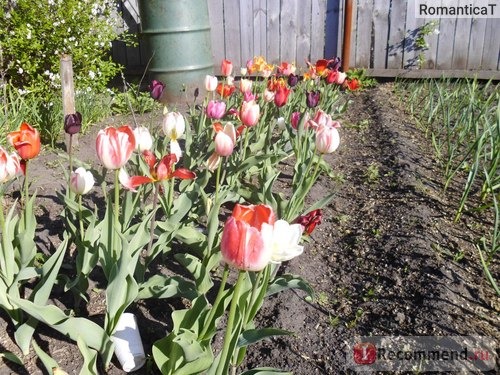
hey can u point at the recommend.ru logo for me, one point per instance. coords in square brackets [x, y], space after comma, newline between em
[422, 353]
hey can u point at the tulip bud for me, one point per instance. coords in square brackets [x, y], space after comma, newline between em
[249, 113]
[143, 139]
[81, 181]
[327, 139]
[73, 123]
[226, 67]
[156, 89]
[312, 98]
[210, 83]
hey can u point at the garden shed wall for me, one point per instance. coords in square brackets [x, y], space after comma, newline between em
[383, 38]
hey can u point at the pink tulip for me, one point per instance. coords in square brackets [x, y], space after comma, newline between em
[269, 95]
[249, 113]
[10, 165]
[216, 109]
[114, 146]
[246, 238]
[225, 140]
[327, 139]
[210, 83]
[336, 77]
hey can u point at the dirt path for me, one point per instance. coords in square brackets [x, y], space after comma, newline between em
[379, 262]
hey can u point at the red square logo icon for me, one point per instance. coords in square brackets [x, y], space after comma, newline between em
[365, 353]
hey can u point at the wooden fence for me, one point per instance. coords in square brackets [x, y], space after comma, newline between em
[384, 37]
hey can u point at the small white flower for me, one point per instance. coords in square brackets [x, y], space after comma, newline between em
[91, 74]
[20, 70]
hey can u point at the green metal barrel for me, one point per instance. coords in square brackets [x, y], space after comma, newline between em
[176, 34]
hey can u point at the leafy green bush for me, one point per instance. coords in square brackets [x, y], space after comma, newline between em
[35, 34]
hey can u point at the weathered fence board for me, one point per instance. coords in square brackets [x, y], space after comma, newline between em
[383, 35]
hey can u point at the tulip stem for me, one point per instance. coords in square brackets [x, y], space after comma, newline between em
[80, 218]
[3, 265]
[117, 216]
[217, 182]
[26, 193]
[230, 335]
[70, 155]
[152, 226]
[215, 305]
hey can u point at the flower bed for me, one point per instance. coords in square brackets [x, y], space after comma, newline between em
[176, 192]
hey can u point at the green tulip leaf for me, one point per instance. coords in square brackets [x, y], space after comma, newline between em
[289, 282]
[89, 358]
[252, 336]
[266, 371]
[162, 286]
[12, 358]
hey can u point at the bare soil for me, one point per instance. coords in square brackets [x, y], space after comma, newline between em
[381, 262]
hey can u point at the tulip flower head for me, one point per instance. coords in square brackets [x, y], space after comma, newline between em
[73, 123]
[293, 80]
[26, 141]
[210, 83]
[336, 77]
[226, 68]
[245, 85]
[281, 95]
[81, 181]
[327, 139]
[158, 170]
[310, 220]
[143, 139]
[286, 68]
[10, 165]
[156, 89]
[285, 241]
[225, 141]
[114, 146]
[312, 98]
[245, 242]
[249, 113]
[174, 126]
[352, 84]
[216, 109]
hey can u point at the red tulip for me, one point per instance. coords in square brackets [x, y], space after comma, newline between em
[115, 146]
[247, 235]
[352, 84]
[225, 90]
[159, 170]
[226, 67]
[26, 141]
[309, 220]
[281, 96]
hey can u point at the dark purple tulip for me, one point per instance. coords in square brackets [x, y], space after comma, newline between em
[312, 98]
[156, 89]
[334, 64]
[73, 123]
[293, 79]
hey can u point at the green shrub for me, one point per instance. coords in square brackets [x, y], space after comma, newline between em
[35, 34]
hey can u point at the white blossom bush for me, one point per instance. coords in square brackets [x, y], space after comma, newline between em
[34, 35]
